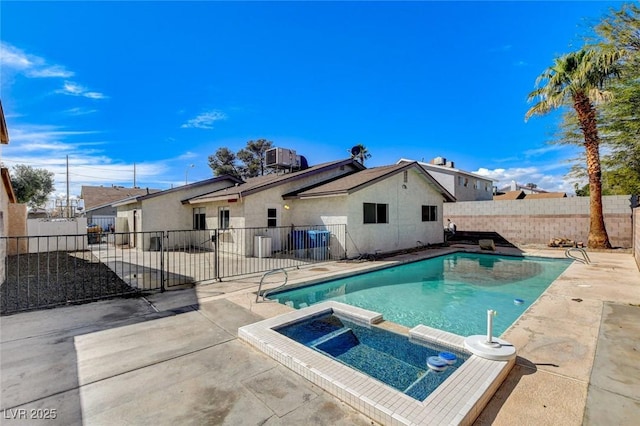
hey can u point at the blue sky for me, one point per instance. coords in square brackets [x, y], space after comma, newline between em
[165, 84]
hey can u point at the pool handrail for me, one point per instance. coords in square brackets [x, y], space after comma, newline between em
[585, 257]
[271, 272]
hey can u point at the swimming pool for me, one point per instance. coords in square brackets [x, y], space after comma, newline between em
[451, 292]
[381, 354]
[456, 400]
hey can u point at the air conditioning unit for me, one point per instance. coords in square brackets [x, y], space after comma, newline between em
[439, 161]
[281, 157]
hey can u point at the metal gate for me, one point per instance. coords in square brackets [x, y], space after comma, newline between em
[46, 271]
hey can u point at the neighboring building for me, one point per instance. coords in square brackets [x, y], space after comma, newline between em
[98, 202]
[510, 195]
[529, 192]
[384, 208]
[464, 186]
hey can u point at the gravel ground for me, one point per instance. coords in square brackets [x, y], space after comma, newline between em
[43, 280]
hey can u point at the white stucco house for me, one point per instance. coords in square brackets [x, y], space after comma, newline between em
[258, 207]
[384, 208]
[464, 186]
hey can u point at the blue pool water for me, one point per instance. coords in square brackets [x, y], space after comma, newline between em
[451, 292]
[383, 355]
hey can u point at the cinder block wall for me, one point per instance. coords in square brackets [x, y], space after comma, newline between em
[538, 221]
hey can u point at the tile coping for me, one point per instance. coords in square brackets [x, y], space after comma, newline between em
[459, 400]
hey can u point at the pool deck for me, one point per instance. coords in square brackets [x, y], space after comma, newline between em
[174, 357]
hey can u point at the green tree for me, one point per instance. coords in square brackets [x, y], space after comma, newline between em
[32, 186]
[253, 158]
[620, 118]
[223, 162]
[578, 80]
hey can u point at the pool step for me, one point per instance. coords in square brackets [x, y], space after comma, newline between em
[380, 365]
[329, 336]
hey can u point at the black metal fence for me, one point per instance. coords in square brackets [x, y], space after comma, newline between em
[55, 270]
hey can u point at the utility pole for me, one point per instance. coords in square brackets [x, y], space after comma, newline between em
[68, 211]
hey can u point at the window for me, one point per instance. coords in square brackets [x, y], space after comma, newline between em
[466, 181]
[272, 218]
[459, 180]
[199, 218]
[486, 186]
[223, 218]
[429, 213]
[406, 176]
[375, 213]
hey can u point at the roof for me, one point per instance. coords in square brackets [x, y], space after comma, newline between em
[6, 181]
[510, 195]
[4, 133]
[101, 196]
[438, 168]
[360, 180]
[261, 183]
[201, 183]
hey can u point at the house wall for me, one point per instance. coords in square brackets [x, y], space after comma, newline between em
[251, 212]
[477, 189]
[324, 211]
[405, 227]
[166, 213]
[538, 221]
[16, 226]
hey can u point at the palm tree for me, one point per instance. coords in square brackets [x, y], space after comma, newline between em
[577, 79]
[360, 152]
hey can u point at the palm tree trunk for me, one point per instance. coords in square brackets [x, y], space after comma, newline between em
[598, 237]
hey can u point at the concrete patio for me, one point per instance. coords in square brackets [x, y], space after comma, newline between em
[174, 357]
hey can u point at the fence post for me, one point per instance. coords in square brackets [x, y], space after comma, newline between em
[216, 253]
[162, 270]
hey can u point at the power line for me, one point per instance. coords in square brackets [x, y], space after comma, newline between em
[113, 169]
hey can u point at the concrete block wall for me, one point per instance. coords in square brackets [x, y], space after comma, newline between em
[540, 220]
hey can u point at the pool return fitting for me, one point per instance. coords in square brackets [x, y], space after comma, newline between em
[490, 347]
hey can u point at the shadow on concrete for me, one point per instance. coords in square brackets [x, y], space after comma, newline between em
[523, 367]
[43, 353]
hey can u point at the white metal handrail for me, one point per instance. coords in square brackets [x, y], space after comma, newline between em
[271, 272]
[585, 257]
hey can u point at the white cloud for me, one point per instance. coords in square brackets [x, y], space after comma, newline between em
[13, 57]
[79, 111]
[549, 177]
[47, 147]
[205, 120]
[32, 65]
[75, 89]
[55, 71]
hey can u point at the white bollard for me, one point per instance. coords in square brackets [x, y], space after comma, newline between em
[490, 314]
